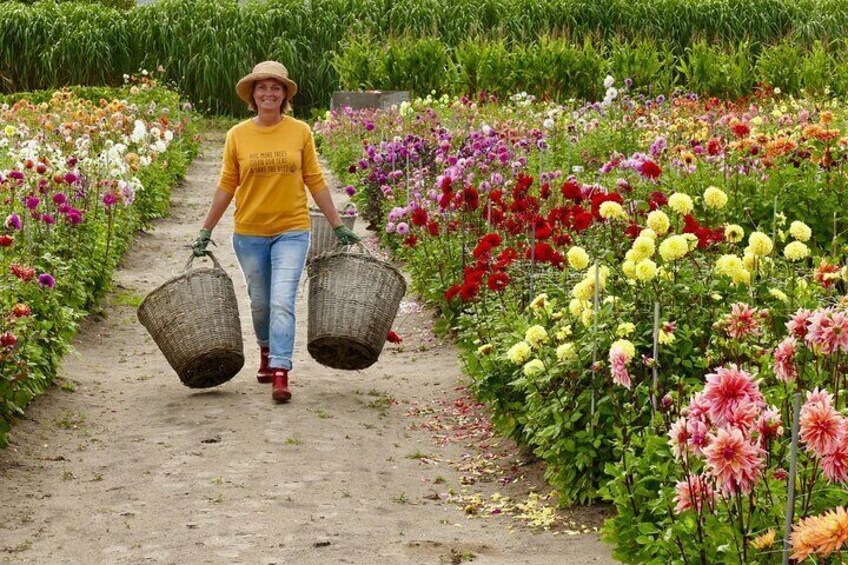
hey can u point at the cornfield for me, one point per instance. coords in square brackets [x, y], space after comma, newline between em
[206, 45]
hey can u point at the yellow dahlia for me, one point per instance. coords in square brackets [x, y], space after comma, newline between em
[760, 244]
[674, 247]
[800, 231]
[715, 198]
[519, 353]
[646, 270]
[578, 258]
[658, 221]
[796, 251]
[680, 203]
[733, 233]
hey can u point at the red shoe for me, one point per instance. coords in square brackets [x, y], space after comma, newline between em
[280, 385]
[263, 375]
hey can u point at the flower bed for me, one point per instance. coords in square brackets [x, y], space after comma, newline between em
[620, 277]
[80, 171]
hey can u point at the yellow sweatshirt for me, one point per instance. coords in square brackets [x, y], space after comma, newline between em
[266, 168]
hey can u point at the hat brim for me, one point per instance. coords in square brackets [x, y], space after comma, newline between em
[244, 88]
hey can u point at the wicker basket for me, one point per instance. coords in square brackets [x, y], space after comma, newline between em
[323, 238]
[194, 320]
[353, 301]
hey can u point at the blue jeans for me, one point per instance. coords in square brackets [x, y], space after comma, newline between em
[272, 267]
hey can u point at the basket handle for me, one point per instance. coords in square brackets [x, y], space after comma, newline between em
[351, 205]
[364, 250]
[208, 254]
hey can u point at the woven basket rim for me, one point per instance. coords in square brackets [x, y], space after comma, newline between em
[333, 253]
[177, 278]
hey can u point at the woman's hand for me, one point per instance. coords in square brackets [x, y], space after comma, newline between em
[202, 241]
[345, 235]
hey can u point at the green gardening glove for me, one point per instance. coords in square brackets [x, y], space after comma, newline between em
[345, 235]
[200, 244]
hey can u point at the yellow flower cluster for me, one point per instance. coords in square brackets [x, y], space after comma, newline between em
[536, 336]
[519, 353]
[734, 233]
[585, 289]
[533, 368]
[800, 231]
[674, 247]
[658, 221]
[796, 251]
[760, 244]
[645, 270]
[643, 248]
[612, 211]
[578, 258]
[626, 346]
[715, 198]
[680, 203]
[732, 266]
[566, 353]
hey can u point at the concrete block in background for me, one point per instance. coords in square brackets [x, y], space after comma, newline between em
[369, 99]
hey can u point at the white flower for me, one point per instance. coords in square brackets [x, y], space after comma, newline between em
[609, 81]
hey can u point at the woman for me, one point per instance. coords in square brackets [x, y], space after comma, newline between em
[269, 162]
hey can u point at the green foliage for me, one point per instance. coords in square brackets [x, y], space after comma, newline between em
[551, 48]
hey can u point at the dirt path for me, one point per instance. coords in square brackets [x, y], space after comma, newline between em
[132, 467]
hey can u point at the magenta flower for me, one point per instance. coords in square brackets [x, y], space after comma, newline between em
[109, 199]
[402, 228]
[32, 202]
[13, 222]
[350, 190]
[46, 281]
[59, 198]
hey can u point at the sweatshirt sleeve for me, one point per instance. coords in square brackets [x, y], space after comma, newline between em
[229, 179]
[313, 176]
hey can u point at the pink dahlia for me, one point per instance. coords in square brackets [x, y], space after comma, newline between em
[743, 321]
[822, 427]
[828, 330]
[784, 360]
[678, 438]
[733, 461]
[619, 358]
[728, 388]
[699, 434]
[699, 408]
[770, 425]
[835, 464]
[693, 492]
[797, 326]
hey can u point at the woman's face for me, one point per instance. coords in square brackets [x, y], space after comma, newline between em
[269, 94]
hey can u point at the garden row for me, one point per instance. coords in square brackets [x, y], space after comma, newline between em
[640, 288]
[206, 45]
[80, 171]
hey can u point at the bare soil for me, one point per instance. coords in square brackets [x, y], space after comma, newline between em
[123, 464]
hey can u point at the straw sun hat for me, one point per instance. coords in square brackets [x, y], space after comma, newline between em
[262, 71]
